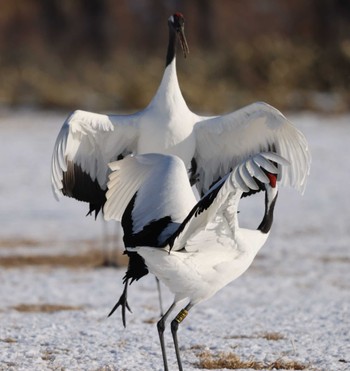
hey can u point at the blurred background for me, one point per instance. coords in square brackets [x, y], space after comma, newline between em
[110, 55]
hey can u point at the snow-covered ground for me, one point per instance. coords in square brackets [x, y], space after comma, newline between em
[297, 291]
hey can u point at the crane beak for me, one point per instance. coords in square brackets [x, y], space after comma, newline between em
[183, 42]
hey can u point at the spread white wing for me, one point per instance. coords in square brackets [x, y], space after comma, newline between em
[223, 142]
[151, 195]
[225, 196]
[85, 145]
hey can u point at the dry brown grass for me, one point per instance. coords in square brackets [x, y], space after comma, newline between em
[9, 340]
[232, 361]
[18, 242]
[92, 256]
[89, 259]
[109, 368]
[151, 320]
[44, 308]
[48, 355]
[274, 336]
[335, 259]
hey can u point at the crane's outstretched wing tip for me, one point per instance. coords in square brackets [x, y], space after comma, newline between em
[255, 169]
[56, 195]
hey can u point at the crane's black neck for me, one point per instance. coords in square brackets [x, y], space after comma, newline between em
[171, 53]
[267, 221]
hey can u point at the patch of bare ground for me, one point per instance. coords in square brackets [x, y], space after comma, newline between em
[272, 336]
[91, 253]
[10, 366]
[89, 259]
[18, 242]
[232, 361]
[151, 320]
[44, 308]
[48, 355]
[109, 368]
[335, 259]
[8, 340]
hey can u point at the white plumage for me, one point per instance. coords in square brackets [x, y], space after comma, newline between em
[209, 146]
[197, 247]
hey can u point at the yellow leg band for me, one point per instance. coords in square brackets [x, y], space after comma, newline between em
[181, 316]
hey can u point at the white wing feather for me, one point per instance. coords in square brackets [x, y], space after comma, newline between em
[231, 188]
[225, 141]
[162, 187]
[91, 141]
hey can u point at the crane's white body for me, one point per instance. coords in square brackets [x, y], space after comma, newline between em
[196, 275]
[208, 248]
[196, 248]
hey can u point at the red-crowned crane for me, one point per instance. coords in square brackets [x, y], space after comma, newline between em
[194, 248]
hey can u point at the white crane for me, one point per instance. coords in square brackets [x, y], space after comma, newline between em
[194, 248]
[88, 141]
[209, 146]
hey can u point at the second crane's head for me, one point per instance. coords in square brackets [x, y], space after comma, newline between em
[177, 26]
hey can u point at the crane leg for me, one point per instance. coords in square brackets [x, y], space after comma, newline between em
[174, 327]
[161, 328]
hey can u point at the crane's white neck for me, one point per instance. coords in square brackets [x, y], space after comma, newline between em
[169, 93]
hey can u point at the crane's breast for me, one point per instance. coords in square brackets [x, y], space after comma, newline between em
[168, 135]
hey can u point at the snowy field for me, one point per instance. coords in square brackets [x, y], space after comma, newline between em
[293, 304]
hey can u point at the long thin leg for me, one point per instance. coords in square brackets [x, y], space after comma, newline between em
[160, 297]
[161, 328]
[174, 326]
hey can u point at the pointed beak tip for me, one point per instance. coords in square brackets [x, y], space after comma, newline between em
[183, 43]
